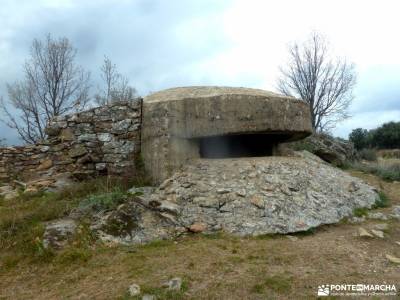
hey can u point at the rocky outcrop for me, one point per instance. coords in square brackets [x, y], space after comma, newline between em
[58, 233]
[250, 196]
[134, 223]
[333, 150]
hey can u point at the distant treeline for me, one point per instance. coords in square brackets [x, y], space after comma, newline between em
[386, 136]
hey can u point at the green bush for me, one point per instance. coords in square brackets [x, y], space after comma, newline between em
[360, 212]
[390, 173]
[102, 202]
[359, 137]
[368, 154]
[382, 201]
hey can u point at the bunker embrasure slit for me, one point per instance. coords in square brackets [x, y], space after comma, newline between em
[239, 145]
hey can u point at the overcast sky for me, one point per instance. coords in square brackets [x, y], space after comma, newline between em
[159, 44]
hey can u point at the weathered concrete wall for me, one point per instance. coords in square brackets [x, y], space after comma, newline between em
[103, 140]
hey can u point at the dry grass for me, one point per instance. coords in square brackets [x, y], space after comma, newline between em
[387, 169]
[389, 153]
[22, 219]
[213, 267]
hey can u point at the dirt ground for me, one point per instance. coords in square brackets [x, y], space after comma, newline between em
[220, 266]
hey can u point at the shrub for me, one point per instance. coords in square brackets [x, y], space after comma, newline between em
[359, 137]
[388, 172]
[101, 202]
[360, 212]
[382, 201]
[368, 154]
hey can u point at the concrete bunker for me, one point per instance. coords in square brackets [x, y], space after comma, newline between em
[184, 124]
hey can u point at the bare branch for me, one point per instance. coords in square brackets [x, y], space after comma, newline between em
[325, 84]
[53, 85]
[116, 87]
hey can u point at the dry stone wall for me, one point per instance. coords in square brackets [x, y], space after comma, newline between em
[103, 140]
[23, 162]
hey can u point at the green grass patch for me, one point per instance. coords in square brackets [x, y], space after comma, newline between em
[214, 236]
[73, 255]
[157, 244]
[278, 283]
[360, 211]
[382, 201]
[102, 202]
[22, 219]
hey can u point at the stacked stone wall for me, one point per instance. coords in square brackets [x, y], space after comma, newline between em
[23, 162]
[100, 141]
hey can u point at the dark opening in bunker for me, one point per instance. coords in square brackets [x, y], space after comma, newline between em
[239, 145]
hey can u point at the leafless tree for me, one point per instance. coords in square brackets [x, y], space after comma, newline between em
[53, 85]
[325, 83]
[116, 87]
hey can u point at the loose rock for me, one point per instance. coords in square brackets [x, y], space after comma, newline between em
[377, 216]
[57, 233]
[364, 233]
[134, 290]
[382, 226]
[10, 195]
[393, 259]
[292, 238]
[396, 212]
[357, 220]
[197, 227]
[378, 233]
[174, 284]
